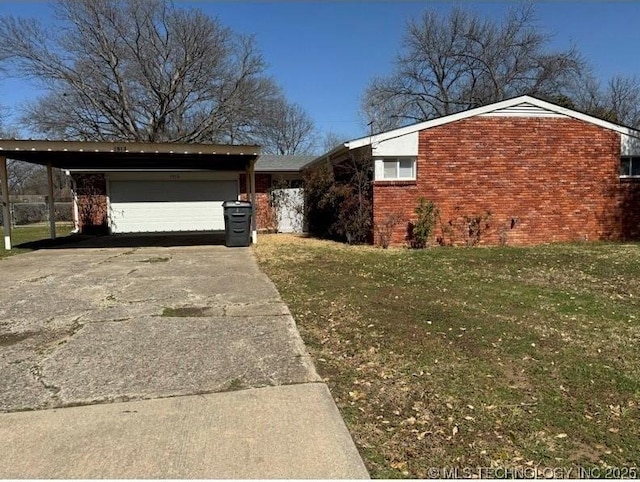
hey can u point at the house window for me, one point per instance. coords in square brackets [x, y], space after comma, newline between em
[399, 168]
[629, 166]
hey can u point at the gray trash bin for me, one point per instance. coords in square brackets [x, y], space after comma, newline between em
[237, 223]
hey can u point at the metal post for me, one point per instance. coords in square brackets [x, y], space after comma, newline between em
[52, 210]
[6, 211]
[254, 230]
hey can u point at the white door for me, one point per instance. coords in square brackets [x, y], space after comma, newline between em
[164, 206]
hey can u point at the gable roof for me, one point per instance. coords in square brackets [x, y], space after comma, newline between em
[282, 163]
[522, 105]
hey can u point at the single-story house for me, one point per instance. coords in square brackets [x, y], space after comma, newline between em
[522, 171]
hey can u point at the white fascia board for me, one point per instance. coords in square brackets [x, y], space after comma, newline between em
[326, 155]
[402, 131]
[584, 117]
[383, 136]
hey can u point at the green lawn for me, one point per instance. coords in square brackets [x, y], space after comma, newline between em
[454, 357]
[27, 234]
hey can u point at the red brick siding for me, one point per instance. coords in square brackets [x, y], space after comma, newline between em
[628, 213]
[542, 180]
[265, 215]
[92, 202]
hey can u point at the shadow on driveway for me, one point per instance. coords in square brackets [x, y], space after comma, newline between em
[138, 240]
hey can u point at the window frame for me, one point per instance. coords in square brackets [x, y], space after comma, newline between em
[632, 160]
[397, 160]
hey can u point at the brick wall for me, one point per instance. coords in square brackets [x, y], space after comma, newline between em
[541, 179]
[92, 203]
[265, 215]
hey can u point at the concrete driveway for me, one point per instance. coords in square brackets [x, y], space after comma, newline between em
[124, 319]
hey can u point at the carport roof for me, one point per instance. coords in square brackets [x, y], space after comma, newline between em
[89, 155]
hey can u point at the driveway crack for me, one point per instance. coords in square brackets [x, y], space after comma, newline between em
[36, 373]
[49, 341]
[125, 253]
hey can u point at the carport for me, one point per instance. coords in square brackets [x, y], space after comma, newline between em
[128, 159]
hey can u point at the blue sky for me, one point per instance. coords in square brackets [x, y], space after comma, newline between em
[324, 53]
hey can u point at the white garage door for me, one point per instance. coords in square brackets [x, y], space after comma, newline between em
[163, 206]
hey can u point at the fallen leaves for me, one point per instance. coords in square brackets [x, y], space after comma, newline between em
[526, 381]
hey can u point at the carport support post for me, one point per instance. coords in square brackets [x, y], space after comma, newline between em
[254, 230]
[6, 211]
[52, 210]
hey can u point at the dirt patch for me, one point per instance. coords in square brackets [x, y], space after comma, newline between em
[157, 259]
[187, 312]
[8, 339]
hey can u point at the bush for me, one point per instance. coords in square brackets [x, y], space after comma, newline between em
[338, 200]
[427, 213]
[476, 225]
[320, 209]
[385, 229]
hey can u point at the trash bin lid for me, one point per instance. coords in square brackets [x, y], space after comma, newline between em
[236, 203]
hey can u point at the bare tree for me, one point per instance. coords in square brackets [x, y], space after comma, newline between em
[463, 61]
[331, 140]
[617, 100]
[19, 173]
[623, 96]
[285, 128]
[137, 70]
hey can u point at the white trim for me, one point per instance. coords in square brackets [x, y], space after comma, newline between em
[6, 211]
[107, 189]
[52, 207]
[631, 159]
[505, 104]
[379, 168]
[523, 110]
[403, 146]
[254, 221]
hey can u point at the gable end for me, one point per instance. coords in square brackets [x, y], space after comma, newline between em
[524, 109]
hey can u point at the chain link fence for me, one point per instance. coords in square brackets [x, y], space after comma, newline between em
[32, 211]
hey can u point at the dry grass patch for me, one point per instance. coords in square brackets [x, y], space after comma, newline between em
[481, 357]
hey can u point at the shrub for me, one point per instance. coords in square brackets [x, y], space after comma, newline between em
[385, 229]
[476, 226]
[427, 213]
[338, 199]
[320, 206]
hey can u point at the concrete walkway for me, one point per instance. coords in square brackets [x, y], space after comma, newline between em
[196, 341]
[292, 431]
